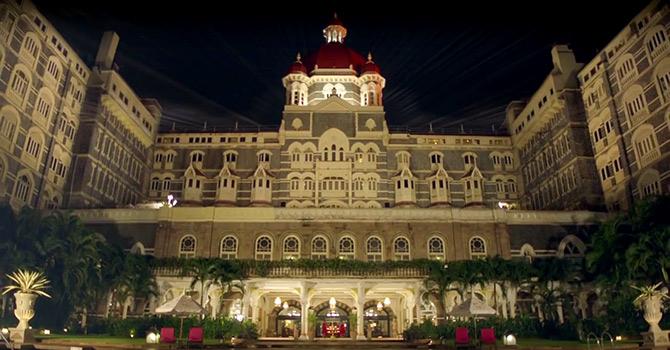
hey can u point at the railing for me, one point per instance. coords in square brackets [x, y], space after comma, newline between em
[312, 272]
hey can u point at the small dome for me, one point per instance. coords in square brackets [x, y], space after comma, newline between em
[297, 66]
[370, 66]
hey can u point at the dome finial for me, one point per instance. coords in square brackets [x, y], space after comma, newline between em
[297, 57]
[369, 56]
[335, 31]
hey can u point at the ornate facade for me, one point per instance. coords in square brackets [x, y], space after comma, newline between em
[332, 180]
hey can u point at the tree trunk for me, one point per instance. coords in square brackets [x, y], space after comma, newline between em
[442, 305]
[84, 316]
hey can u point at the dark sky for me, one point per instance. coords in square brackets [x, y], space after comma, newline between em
[447, 63]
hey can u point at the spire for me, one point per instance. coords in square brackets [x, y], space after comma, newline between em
[297, 58]
[335, 31]
[369, 56]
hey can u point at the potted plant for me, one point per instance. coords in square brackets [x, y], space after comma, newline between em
[28, 286]
[311, 324]
[650, 301]
[353, 323]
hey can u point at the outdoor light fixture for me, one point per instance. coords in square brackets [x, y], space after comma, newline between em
[46, 332]
[239, 317]
[64, 330]
[285, 305]
[509, 340]
[387, 301]
[171, 201]
[618, 338]
[380, 306]
[153, 338]
[332, 302]
[5, 331]
[277, 301]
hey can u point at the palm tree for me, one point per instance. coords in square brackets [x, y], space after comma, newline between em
[137, 282]
[517, 274]
[201, 271]
[438, 283]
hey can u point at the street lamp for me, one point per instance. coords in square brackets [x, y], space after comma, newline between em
[171, 201]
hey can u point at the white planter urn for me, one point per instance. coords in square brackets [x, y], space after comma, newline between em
[652, 312]
[25, 308]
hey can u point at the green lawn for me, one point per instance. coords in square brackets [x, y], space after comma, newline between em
[532, 343]
[101, 339]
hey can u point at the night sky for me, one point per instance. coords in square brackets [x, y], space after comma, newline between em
[459, 65]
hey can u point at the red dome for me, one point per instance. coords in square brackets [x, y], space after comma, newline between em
[335, 55]
[297, 67]
[370, 66]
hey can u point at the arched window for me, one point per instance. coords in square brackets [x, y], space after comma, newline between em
[477, 247]
[347, 249]
[649, 184]
[469, 160]
[436, 248]
[197, 158]
[319, 248]
[403, 159]
[19, 84]
[34, 143]
[571, 246]
[23, 189]
[645, 145]
[44, 106]
[30, 49]
[264, 248]
[187, 247]
[264, 157]
[401, 249]
[374, 249]
[229, 248]
[291, 248]
[436, 160]
[657, 42]
[634, 102]
[155, 184]
[52, 73]
[9, 121]
[663, 78]
[166, 183]
[626, 69]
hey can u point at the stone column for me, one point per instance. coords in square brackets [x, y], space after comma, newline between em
[559, 311]
[304, 313]
[361, 312]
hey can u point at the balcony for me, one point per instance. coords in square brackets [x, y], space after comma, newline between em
[649, 157]
[306, 268]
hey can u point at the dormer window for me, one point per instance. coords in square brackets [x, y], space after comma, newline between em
[197, 158]
[230, 159]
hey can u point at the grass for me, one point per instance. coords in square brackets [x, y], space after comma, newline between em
[101, 339]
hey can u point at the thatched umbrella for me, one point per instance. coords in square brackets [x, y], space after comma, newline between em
[472, 307]
[181, 306]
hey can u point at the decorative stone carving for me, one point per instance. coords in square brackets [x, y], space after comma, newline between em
[296, 123]
[370, 124]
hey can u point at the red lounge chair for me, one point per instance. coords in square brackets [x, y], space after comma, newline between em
[167, 335]
[462, 338]
[488, 337]
[195, 337]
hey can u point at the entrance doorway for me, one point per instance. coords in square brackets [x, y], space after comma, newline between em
[377, 320]
[286, 319]
[333, 322]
